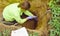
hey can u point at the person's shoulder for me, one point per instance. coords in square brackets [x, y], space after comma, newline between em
[14, 4]
[11, 6]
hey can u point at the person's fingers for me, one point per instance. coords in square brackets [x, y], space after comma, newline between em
[29, 17]
[34, 16]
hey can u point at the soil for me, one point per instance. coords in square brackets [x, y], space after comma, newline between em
[38, 7]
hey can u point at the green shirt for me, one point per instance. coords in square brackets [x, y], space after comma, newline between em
[12, 12]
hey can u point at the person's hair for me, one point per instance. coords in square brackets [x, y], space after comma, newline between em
[24, 5]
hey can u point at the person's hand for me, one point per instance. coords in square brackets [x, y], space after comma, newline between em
[34, 16]
[30, 17]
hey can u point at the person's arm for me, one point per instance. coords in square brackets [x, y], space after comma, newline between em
[28, 13]
[20, 20]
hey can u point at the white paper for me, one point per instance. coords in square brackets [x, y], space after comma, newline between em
[20, 32]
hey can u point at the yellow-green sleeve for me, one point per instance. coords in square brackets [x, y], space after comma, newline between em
[19, 19]
[28, 13]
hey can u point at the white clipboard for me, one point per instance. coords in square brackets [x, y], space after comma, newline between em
[20, 32]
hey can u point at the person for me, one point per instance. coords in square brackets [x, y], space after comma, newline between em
[14, 12]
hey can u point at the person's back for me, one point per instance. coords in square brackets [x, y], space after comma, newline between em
[9, 11]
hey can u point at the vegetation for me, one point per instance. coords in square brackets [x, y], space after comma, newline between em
[5, 32]
[55, 21]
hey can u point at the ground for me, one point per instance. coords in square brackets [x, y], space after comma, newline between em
[38, 7]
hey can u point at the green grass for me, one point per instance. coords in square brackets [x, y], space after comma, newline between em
[55, 21]
[5, 32]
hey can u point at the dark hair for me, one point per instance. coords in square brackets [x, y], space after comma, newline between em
[25, 5]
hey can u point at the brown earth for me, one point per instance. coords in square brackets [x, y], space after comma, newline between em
[38, 7]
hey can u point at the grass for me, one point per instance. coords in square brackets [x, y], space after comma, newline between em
[5, 32]
[55, 21]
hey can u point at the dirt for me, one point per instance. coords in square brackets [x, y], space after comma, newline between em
[38, 7]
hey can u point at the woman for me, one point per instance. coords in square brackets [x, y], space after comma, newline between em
[14, 12]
